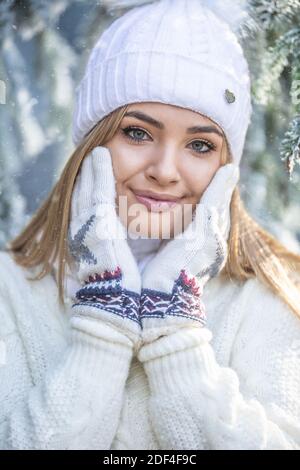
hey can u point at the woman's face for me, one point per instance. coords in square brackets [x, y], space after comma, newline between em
[168, 150]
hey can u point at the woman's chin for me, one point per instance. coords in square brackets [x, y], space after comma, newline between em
[161, 235]
[144, 223]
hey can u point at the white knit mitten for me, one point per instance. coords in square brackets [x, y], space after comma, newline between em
[173, 281]
[107, 270]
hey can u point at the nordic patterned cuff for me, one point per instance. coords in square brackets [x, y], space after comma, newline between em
[105, 291]
[184, 301]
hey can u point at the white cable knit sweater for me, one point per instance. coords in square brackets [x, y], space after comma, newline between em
[241, 390]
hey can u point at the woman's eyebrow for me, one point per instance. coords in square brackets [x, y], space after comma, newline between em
[159, 125]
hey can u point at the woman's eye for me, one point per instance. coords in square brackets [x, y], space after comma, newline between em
[138, 133]
[210, 146]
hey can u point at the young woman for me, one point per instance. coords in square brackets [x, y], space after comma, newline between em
[152, 325]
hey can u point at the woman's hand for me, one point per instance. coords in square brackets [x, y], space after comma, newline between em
[106, 268]
[173, 281]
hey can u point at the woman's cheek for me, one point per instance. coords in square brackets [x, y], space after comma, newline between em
[201, 175]
[126, 165]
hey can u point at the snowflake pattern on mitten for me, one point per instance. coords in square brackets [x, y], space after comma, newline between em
[104, 291]
[184, 301]
[213, 269]
[77, 248]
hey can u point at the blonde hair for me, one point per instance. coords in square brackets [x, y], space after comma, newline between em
[252, 251]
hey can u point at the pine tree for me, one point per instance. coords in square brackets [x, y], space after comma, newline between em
[280, 21]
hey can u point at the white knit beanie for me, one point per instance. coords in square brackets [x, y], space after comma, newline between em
[178, 52]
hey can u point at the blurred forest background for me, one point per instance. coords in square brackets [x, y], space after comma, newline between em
[44, 48]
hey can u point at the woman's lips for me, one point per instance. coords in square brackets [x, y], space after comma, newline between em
[155, 205]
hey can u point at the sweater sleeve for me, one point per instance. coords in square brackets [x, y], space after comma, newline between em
[77, 403]
[196, 403]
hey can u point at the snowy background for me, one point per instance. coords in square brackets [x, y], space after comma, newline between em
[44, 48]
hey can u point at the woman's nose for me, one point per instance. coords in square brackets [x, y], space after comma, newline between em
[164, 168]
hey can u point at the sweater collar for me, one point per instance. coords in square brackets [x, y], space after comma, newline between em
[143, 247]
